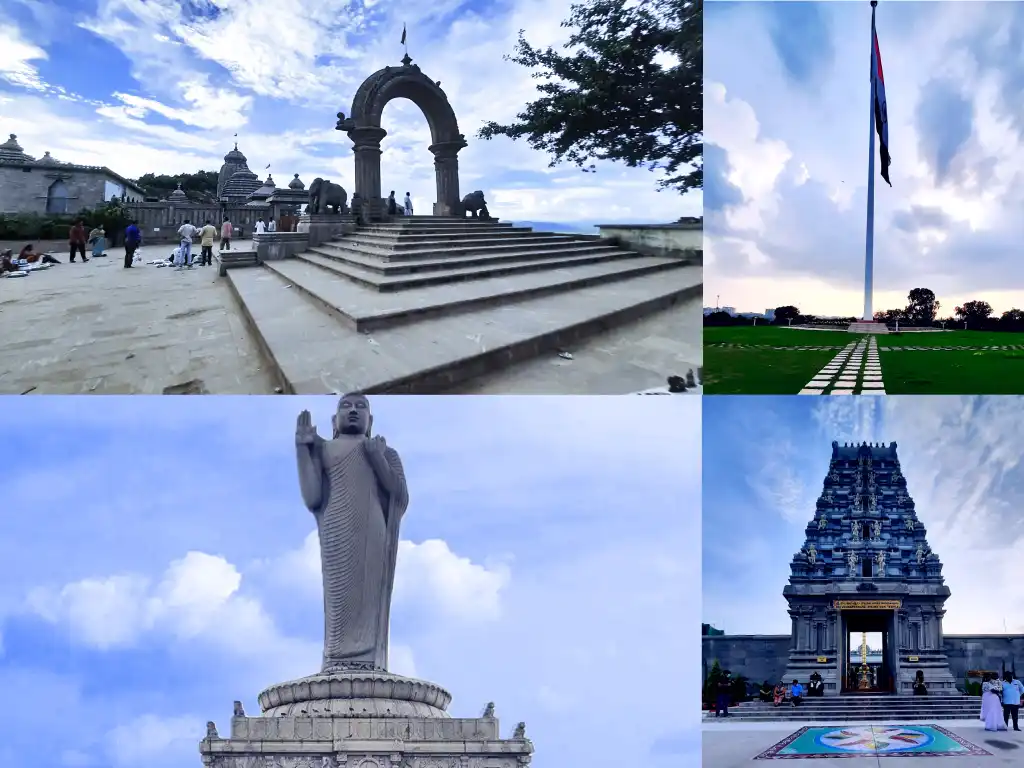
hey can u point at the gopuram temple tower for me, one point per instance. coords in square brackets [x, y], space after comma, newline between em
[866, 566]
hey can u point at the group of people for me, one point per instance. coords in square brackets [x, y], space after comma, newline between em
[1000, 701]
[207, 234]
[393, 204]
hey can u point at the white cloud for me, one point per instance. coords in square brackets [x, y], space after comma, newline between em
[277, 78]
[197, 598]
[432, 576]
[149, 736]
[16, 57]
[428, 577]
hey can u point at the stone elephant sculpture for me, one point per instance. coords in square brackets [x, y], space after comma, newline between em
[323, 195]
[474, 203]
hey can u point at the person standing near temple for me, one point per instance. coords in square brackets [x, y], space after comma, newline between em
[225, 235]
[392, 204]
[132, 241]
[271, 225]
[408, 204]
[76, 240]
[185, 234]
[1012, 690]
[207, 233]
[261, 227]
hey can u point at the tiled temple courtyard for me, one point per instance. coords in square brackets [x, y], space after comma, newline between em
[746, 745]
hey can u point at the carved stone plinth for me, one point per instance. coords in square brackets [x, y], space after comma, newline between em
[322, 227]
[346, 742]
[356, 694]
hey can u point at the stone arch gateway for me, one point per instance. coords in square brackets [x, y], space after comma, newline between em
[363, 128]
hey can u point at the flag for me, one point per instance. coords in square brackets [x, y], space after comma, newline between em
[403, 34]
[881, 112]
[268, 166]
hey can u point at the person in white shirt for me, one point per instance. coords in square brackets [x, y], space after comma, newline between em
[261, 227]
[272, 226]
[408, 204]
[186, 232]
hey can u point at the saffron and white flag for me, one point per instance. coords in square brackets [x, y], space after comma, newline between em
[881, 112]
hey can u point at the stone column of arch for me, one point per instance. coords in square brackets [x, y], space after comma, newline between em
[446, 172]
[366, 150]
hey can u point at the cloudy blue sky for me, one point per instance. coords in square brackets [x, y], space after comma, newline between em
[787, 118]
[161, 86]
[158, 563]
[765, 461]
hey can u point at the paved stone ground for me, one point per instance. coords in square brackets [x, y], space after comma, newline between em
[849, 373]
[631, 358]
[100, 328]
[993, 348]
[734, 745]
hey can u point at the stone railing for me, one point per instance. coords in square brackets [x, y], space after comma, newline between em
[682, 240]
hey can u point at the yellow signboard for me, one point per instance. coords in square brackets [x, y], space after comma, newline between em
[823, 659]
[867, 605]
[912, 658]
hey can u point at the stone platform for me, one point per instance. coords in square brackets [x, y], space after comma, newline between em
[424, 304]
[359, 719]
[861, 708]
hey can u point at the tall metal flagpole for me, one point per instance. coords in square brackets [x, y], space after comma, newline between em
[869, 240]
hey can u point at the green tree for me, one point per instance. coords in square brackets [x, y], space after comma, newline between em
[922, 306]
[199, 187]
[629, 89]
[784, 314]
[974, 312]
[891, 316]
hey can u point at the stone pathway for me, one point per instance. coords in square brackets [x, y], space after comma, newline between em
[855, 370]
[804, 348]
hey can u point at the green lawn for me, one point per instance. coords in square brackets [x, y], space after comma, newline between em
[755, 371]
[737, 371]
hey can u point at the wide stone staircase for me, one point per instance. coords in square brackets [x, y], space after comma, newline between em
[424, 303]
[861, 709]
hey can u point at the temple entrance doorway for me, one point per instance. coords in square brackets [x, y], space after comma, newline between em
[868, 658]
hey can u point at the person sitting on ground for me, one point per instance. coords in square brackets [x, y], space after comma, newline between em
[795, 692]
[766, 693]
[6, 263]
[920, 689]
[780, 694]
[816, 686]
[29, 256]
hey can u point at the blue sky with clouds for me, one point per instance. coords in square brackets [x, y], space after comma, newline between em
[765, 462]
[158, 563]
[162, 86]
[787, 118]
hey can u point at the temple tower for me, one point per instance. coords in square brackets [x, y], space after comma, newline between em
[866, 566]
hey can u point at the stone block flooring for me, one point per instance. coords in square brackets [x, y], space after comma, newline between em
[856, 370]
[99, 328]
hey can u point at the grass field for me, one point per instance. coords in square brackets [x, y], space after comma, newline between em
[773, 360]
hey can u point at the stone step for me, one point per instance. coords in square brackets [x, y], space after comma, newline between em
[316, 347]
[403, 233]
[441, 260]
[369, 309]
[433, 251]
[839, 719]
[444, 241]
[440, 224]
[378, 281]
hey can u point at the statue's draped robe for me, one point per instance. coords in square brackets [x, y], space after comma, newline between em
[358, 527]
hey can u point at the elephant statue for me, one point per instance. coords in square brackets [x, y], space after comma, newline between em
[323, 195]
[474, 203]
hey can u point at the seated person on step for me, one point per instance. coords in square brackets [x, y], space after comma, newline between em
[816, 686]
[920, 689]
[766, 693]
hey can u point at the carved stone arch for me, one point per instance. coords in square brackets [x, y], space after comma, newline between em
[364, 129]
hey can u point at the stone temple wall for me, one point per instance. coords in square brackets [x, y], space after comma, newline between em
[23, 189]
[764, 657]
[159, 222]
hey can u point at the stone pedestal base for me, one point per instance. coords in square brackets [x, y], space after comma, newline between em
[272, 246]
[868, 326]
[339, 742]
[322, 227]
[361, 719]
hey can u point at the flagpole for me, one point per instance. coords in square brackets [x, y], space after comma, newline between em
[869, 240]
